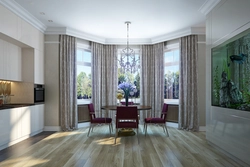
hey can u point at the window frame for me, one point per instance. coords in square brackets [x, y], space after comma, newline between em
[171, 47]
[84, 48]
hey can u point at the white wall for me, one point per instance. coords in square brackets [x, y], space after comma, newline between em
[227, 129]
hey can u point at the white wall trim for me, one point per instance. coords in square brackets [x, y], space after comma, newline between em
[83, 125]
[24, 14]
[208, 6]
[52, 128]
[19, 139]
[202, 128]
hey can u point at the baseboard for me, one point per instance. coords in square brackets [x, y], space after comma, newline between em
[19, 139]
[83, 125]
[52, 128]
[172, 124]
[202, 128]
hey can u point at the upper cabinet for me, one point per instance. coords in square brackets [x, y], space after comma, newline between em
[10, 61]
[20, 35]
[39, 67]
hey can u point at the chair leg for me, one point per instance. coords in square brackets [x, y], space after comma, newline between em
[166, 129]
[116, 135]
[89, 129]
[109, 130]
[111, 126]
[163, 128]
[137, 135]
[146, 129]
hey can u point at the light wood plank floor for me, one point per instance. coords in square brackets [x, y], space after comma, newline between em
[70, 149]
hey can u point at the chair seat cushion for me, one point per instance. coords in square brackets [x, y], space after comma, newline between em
[101, 120]
[126, 124]
[154, 120]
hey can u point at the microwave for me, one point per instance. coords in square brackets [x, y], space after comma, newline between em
[39, 94]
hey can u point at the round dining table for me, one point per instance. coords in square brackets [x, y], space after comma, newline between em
[139, 107]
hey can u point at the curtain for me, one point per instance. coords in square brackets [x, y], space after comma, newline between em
[152, 77]
[104, 75]
[188, 101]
[67, 85]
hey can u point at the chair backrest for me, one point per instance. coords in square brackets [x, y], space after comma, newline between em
[129, 103]
[91, 111]
[164, 111]
[126, 113]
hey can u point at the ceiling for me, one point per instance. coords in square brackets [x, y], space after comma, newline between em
[105, 20]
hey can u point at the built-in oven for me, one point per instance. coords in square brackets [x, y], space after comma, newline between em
[39, 93]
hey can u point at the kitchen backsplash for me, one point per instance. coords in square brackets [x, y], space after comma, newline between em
[22, 92]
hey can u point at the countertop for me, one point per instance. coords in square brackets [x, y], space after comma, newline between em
[14, 105]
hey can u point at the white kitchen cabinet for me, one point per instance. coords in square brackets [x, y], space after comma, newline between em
[10, 61]
[8, 22]
[17, 124]
[39, 67]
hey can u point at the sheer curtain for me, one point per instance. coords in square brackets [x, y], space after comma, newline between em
[188, 101]
[152, 77]
[67, 85]
[104, 75]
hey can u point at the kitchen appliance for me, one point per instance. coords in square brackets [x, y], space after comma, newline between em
[39, 93]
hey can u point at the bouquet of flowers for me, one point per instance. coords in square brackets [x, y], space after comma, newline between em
[128, 89]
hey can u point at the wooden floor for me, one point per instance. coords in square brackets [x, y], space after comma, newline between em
[70, 149]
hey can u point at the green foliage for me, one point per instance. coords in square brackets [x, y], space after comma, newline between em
[246, 85]
[216, 85]
[84, 84]
[172, 82]
[226, 69]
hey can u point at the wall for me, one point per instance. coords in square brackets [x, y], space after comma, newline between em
[227, 129]
[201, 68]
[52, 120]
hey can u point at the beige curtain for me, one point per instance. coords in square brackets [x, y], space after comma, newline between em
[188, 101]
[104, 75]
[152, 77]
[67, 85]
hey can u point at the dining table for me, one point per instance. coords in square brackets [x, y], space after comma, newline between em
[126, 132]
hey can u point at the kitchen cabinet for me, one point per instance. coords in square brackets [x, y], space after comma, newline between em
[17, 124]
[10, 61]
[39, 67]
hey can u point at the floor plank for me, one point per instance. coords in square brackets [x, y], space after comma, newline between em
[67, 149]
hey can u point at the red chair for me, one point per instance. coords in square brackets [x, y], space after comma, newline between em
[96, 121]
[126, 117]
[129, 103]
[160, 121]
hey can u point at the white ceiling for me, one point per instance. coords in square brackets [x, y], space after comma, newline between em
[104, 19]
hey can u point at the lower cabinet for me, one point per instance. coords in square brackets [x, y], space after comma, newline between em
[17, 124]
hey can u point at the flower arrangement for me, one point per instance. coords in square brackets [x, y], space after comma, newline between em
[128, 89]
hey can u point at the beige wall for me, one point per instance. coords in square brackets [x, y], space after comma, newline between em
[227, 129]
[51, 115]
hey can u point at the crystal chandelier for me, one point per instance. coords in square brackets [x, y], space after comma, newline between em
[127, 60]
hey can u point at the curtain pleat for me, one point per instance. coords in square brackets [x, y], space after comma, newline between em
[104, 75]
[152, 77]
[67, 85]
[188, 101]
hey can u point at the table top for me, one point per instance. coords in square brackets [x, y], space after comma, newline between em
[139, 107]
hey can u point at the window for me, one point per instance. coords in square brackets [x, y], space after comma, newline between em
[84, 85]
[171, 65]
[133, 78]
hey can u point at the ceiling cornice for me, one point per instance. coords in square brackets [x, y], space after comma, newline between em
[21, 12]
[208, 6]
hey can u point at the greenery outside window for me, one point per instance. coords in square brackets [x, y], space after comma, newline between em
[84, 81]
[171, 70]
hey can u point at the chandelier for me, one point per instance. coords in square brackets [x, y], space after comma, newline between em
[128, 61]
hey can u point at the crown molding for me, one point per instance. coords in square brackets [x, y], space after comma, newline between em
[178, 34]
[132, 41]
[24, 14]
[208, 6]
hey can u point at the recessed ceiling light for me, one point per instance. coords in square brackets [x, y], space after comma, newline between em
[50, 21]
[42, 13]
